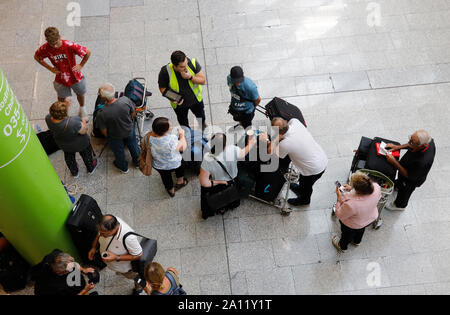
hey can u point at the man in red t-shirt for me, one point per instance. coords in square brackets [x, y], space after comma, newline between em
[61, 54]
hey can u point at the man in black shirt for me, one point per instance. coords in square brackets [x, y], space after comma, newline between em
[185, 77]
[413, 167]
[56, 276]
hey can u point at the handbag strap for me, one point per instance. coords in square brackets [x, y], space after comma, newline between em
[128, 234]
[239, 93]
[223, 167]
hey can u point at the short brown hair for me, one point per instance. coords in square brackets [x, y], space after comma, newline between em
[52, 34]
[154, 274]
[59, 110]
[362, 183]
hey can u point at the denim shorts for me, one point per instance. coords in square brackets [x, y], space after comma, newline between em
[64, 91]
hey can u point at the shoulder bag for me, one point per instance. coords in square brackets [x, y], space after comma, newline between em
[219, 200]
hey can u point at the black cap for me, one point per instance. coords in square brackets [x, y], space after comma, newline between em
[237, 75]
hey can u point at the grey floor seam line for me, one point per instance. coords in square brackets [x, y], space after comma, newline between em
[204, 58]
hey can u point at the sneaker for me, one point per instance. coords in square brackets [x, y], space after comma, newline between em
[82, 112]
[355, 244]
[393, 207]
[295, 188]
[76, 176]
[124, 172]
[298, 202]
[95, 163]
[335, 241]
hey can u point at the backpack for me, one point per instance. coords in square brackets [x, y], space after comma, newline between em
[99, 105]
[145, 158]
[173, 278]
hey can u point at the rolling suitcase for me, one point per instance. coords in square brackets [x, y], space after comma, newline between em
[48, 142]
[269, 184]
[82, 225]
[280, 108]
[378, 162]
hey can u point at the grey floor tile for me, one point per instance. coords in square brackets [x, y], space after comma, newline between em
[204, 260]
[350, 81]
[295, 251]
[277, 282]
[410, 270]
[94, 8]
[250, 256]
[126, 3]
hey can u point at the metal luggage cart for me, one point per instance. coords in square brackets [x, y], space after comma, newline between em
[280, 202]
[142, 113]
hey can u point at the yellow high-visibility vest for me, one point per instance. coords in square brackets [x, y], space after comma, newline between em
[173, 83]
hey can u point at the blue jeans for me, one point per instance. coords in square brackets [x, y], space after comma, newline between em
[118, 148]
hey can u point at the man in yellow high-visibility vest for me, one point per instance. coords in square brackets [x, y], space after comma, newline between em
[185, 77]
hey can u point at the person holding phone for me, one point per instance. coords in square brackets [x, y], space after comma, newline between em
[185, 77]
[166, 151]
[356, 209]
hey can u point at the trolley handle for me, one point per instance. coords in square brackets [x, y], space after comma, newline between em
[143, 81]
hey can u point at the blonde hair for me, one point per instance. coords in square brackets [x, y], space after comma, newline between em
[362, 183]
[154, 274]
[59, 110]
[52, 34]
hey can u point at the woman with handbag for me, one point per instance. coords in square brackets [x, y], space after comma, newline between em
[166, 151]
[71, 136]
[219, 189]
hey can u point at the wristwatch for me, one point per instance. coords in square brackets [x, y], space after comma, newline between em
[118, 258]
[191, 77]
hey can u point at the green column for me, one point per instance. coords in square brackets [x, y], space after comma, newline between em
[33, 203]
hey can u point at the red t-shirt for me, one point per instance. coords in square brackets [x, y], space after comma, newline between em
[63, 59]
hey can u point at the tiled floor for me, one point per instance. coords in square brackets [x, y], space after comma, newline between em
[349, 78]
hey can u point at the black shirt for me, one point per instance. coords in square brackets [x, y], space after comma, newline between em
[49, 283]
[185, 89]
[418, 164]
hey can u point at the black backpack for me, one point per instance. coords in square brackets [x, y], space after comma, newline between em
[99, 105]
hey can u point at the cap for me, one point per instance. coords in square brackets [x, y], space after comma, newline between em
[237, 75]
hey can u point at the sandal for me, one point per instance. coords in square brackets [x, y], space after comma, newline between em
[171, 194]
[179, 186]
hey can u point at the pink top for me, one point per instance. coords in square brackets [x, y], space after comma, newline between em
[357, 211]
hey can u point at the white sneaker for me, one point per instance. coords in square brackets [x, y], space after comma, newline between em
[392, 207]
[82, 113]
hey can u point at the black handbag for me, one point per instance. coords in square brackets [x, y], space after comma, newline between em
[149, 248]
[221, 199]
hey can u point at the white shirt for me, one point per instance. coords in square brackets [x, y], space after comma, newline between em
[303, 150]
[117, 248]
[228, 158]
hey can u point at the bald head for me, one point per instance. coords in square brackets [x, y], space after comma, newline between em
[107, 91]
[282, 125]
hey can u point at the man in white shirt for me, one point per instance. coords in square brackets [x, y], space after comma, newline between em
[111, 231]
[296, 141]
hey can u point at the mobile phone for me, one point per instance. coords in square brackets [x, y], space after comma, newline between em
[338, 184]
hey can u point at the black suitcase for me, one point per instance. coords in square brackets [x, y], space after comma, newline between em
[82, 225]
[269, 184]
[48, 142]
[378, 162]
[280, 108]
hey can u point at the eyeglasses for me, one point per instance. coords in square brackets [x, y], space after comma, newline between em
[411, 142]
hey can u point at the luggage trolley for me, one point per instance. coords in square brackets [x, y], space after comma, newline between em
[367, 161]
[278, 107]
[136, 90]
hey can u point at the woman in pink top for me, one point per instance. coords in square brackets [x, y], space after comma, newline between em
[356, 209]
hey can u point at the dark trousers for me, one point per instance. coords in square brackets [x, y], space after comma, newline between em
[86, 155]
[118, 148]
[405, 190]
[198, 109]
[350, 235]
[166, 176]
[306, 184]
[244, 119]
